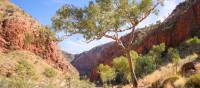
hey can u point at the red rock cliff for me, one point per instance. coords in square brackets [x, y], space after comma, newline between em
[183, 23]
[19, 31]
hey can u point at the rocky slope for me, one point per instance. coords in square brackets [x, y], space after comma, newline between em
[19, 31]
[24, 69]
[183, 23]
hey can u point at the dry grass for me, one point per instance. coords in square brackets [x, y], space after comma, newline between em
[38, 63]
[9, 62]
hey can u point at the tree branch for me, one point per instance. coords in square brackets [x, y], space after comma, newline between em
[133, 28]
[148, 13]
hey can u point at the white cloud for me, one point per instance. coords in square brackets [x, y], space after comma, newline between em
[78, 46]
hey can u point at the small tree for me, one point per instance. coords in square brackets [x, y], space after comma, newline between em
[145, 65]
[156, 53]
[106, 73]
[175, 57]
[106, 18]
[120, 64]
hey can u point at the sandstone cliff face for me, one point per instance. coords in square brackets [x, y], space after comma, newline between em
[183, 23]
[19, 31]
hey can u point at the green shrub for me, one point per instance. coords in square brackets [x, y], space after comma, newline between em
[24, 69]
[193, 81]
[50, 72]
[106, 73]
[156, 53]
[145, 65]
[194, 40]
[148, 63]
[174, 56]
[120, 64]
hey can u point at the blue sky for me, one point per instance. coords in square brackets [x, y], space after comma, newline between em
[43, 10]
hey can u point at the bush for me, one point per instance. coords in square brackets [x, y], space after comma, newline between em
[156, 53]
[149, 62]
[194, 40]
[120, 64]
[50, 72]
[106, 73]
[174, 56]
[24, 69]
[145, 65]
[193, 81]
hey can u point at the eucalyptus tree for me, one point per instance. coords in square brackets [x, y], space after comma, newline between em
[106, 18]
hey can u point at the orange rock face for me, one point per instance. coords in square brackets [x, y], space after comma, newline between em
[183, 23]
[21, 32]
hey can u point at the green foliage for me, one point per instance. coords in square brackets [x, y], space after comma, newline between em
[148, 63]
[24, 69]
[193, 81]
[174, 55]
[101, 16]
[145, 65]
[194, 40]
[156, 52]
[134, 56]
[106, 73]
[50, 72]
[120, 64]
